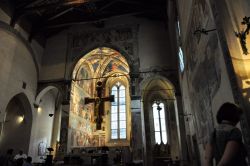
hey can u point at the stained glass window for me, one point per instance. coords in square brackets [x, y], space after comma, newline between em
[118, 112]
[159, 123]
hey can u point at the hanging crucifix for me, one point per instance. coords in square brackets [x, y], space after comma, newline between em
[98, 104]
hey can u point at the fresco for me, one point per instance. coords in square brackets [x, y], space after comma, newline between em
[97, 63]
[81, 116]
[204, 75]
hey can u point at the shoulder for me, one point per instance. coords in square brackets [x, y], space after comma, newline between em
[235, 135]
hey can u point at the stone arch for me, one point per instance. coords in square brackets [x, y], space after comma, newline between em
[44, 91]
[18, 119]
[105, 67]
[133, 63]
[145, 83]
[159, 88]
[48, 115]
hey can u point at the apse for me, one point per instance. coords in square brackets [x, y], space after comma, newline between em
[96, 119]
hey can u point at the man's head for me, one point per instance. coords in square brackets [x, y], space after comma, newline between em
[29, 159]
[20, 152]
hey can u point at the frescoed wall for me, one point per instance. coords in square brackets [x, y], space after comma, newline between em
[99, 63]
[81, 116]
[203, 70]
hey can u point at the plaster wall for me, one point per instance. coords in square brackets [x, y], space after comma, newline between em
[18, 71]
[17, 68]
[205, 83]
[184, 11]
[53, 62]
[43, 125]
[151, 46]
[36, 49]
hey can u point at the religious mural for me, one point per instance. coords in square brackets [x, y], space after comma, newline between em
[203, 70]
[81, 116]
[123, 37]
[97, 63]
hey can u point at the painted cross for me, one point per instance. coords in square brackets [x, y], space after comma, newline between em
[98, 101]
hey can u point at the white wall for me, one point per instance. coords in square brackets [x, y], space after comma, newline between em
[17, 66]
[43, 125]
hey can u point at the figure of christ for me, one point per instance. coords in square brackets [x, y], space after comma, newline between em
[98, 104]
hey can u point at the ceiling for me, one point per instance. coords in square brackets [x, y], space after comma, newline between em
[50, 16]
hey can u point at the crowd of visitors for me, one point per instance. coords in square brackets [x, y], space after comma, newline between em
[20, 159]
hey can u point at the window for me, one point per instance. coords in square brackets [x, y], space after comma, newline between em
[181, 60]
[159, 123]
[178, 28]
[180, 52]
[118, 112]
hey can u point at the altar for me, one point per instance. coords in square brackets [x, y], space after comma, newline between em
[98, 155]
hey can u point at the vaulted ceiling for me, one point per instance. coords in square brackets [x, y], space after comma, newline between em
[49, 16]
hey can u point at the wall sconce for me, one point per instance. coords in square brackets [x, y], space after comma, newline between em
[242, 34]
[20, 119]
[36, 105]
[50, 115]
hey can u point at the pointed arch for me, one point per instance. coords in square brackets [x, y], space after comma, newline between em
[108, 66]
[18, 119]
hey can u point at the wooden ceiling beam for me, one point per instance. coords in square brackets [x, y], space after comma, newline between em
[58, 4]
[60, 13]
[27, 4]
[107, 5]
[91, 20]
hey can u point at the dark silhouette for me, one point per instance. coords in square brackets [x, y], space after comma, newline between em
[28, 161]
[7, 159]
[225, 143]
[19, 158]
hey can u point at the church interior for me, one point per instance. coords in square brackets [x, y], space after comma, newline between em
[120, 82]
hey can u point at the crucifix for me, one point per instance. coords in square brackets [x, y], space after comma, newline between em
[98, 104]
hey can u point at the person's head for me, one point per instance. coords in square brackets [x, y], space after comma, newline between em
[10, 151]
[20, 152]
[29, 159]
[229, 112]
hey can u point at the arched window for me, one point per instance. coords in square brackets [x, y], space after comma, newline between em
[159, 123]
[181, 60]
[118, 112]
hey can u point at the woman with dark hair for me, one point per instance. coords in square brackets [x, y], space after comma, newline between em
[225, 143]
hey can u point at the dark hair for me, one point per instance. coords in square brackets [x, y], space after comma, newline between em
[10, 151]
[29, 159]
[230, 112]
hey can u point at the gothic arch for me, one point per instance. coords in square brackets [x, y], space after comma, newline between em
[133, 62]
[156, 88]
[44, 91]
[18, 119]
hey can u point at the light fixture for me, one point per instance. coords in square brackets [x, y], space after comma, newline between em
[50, 115]
[20, 119]
[39, 109]
[36, 105]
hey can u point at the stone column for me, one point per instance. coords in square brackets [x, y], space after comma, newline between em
[180, 120]
[56, 129]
